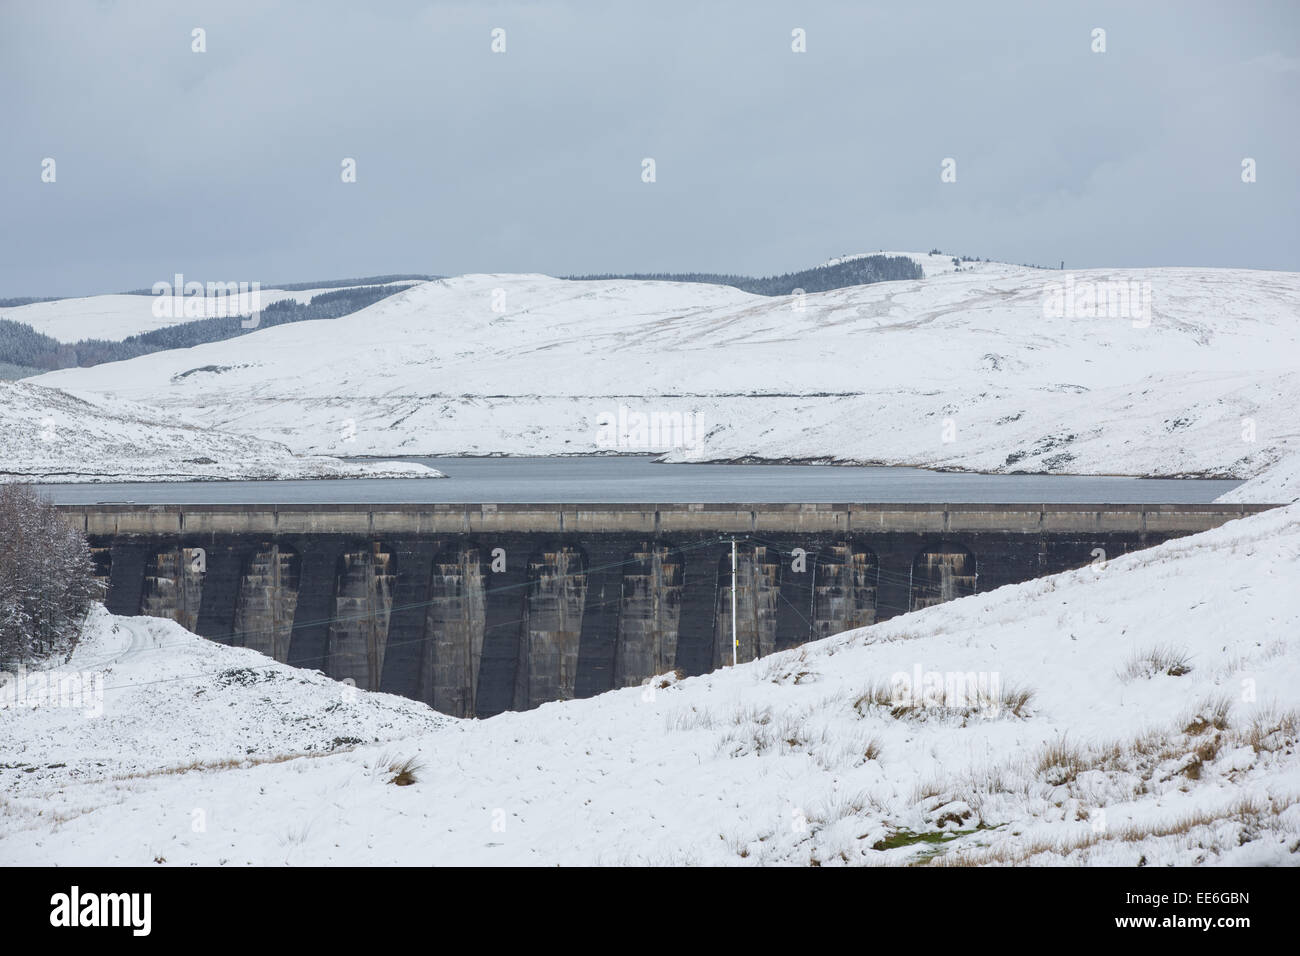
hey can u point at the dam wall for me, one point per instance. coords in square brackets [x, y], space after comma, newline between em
[479, 609]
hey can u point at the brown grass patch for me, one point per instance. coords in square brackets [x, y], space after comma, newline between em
[405, 772]
[231, 763]
[1157, 660]
[1211, 714]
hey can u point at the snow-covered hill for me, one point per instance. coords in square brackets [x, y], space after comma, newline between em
[50, 436]
[931, 264]
[992, 368]
[203, 703]
[115, 317]
[1141, 712]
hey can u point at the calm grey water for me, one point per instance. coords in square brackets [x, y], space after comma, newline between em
[638, 479]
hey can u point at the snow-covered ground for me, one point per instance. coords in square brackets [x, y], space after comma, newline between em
[201, 703]
[50, 436]
[1276, 483]
[1145, 712]
[116, 317]
[966, 369]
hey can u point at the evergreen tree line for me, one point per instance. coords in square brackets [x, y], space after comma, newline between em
[862, 271]
[23, 350]
[46, 579]
[22, 345]
[25, 300]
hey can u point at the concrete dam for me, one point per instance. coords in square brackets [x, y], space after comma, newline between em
[479, 609]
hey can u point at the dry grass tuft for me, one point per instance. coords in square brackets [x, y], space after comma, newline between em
[1017, 700]
[405, 772]
[1204, 753]
[691, 718]
[966, 701]
[666, 680]
[1271, 731]
[755, 733]
[1158, 660]
[1211, 714]
[790, 667]
[1061, 762]
[929, 789]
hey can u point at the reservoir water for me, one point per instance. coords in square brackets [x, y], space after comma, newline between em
[637, 479]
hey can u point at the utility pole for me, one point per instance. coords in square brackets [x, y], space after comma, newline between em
[735, 642]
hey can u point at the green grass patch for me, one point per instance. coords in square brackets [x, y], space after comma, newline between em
[906, 837]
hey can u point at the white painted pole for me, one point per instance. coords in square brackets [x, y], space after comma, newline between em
[735, 641]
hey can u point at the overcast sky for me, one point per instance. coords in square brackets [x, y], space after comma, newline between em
[226, 165]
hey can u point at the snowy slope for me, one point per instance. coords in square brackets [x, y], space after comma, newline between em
[796, 758]
[1279, 481]
[239, 708]
[50, 436]
[959, 370]
[115, 317]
